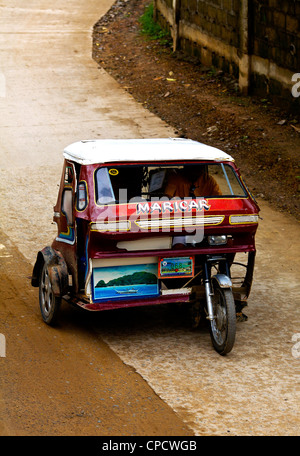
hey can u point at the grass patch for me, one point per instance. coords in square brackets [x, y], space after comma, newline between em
[152, 29]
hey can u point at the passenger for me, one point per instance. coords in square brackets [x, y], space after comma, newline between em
[192, 181]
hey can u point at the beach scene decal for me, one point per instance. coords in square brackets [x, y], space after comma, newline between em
[130, 281]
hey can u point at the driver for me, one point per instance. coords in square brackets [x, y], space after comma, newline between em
[192, 181]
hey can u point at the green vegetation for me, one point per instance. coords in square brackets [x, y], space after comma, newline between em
[152, 29]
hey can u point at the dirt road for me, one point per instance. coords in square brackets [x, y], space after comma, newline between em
[106, 374]
[64, 382]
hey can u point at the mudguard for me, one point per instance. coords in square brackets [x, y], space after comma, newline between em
[57, 268]
[223, 280]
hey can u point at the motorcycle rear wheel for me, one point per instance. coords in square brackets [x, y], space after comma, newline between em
[49, 303]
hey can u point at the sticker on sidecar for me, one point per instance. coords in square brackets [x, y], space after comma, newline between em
[176, 267]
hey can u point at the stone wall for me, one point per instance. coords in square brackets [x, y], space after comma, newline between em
[219, 18]
[258, 41]
[275, 44]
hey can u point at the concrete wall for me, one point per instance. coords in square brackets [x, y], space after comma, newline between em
[258, 41]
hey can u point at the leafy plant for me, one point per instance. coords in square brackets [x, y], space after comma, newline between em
[152, 29]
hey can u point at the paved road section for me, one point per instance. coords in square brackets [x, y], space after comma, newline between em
[68, 381]
[253, 391]
[64, 382]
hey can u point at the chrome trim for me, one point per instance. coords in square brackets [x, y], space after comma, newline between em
[180, 222]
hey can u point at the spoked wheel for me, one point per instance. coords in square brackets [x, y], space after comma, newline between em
[49, 303]
[223, 327]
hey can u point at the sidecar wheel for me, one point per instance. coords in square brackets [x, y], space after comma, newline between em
[49, 303]
[223, 327]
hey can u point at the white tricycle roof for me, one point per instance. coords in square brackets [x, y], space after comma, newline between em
[101, 151]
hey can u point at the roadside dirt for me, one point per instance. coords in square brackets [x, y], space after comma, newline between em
[203, 104]
[66, 380]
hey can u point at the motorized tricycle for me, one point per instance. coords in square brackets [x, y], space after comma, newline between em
[144, 222]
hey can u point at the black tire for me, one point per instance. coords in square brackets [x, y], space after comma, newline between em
[49, 303]
[223, 327]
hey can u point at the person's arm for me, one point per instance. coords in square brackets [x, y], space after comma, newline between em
[171, 187]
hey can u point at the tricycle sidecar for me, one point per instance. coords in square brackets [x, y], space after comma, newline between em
[150, 221]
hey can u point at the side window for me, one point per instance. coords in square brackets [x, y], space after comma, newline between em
[67, 200]
[67, 205]
[82, 198]
[69, 175]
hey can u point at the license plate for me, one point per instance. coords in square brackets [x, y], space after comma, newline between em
[176, 267]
